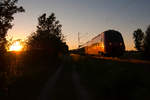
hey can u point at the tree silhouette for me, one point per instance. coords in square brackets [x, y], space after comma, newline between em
[48, 35]
[138, 37]
[7, 9]
[147, 41]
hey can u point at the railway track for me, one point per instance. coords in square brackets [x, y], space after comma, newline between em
[128, 60]
[123, 59]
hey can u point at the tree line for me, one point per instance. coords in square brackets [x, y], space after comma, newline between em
[47, 40]
[48, 35]
[142, 41]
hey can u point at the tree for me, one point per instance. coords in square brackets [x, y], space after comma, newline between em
[48, 35]
[147, 41]
[138, 37]
[7, 9]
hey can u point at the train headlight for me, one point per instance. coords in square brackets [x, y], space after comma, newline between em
[120, 44]
[110, 43]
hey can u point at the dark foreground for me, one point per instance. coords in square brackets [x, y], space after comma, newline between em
[75, 77]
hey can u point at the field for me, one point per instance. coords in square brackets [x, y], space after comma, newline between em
[109, 79]
[75, 77]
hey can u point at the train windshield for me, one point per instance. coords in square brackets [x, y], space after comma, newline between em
[114, 37]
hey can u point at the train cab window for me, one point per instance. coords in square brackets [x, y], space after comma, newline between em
[114, 37]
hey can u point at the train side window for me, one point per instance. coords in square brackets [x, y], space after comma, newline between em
[95, 44]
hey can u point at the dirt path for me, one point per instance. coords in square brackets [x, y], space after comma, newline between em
[65, 84]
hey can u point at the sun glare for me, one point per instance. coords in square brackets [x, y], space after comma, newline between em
[16, 47]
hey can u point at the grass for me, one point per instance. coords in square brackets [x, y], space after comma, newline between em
[115, 80]
[27, 74]
[134, 55]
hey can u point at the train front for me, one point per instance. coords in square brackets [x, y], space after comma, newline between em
[114, 43]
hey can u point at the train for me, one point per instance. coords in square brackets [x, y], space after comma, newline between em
[108, 43]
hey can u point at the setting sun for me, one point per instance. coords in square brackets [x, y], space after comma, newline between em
[16, 46]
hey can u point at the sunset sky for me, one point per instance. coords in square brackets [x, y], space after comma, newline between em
[88, 17]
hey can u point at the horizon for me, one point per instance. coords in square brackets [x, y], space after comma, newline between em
[89, 18]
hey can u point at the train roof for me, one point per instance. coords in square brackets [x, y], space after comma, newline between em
[111, 31]
[105, 32]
